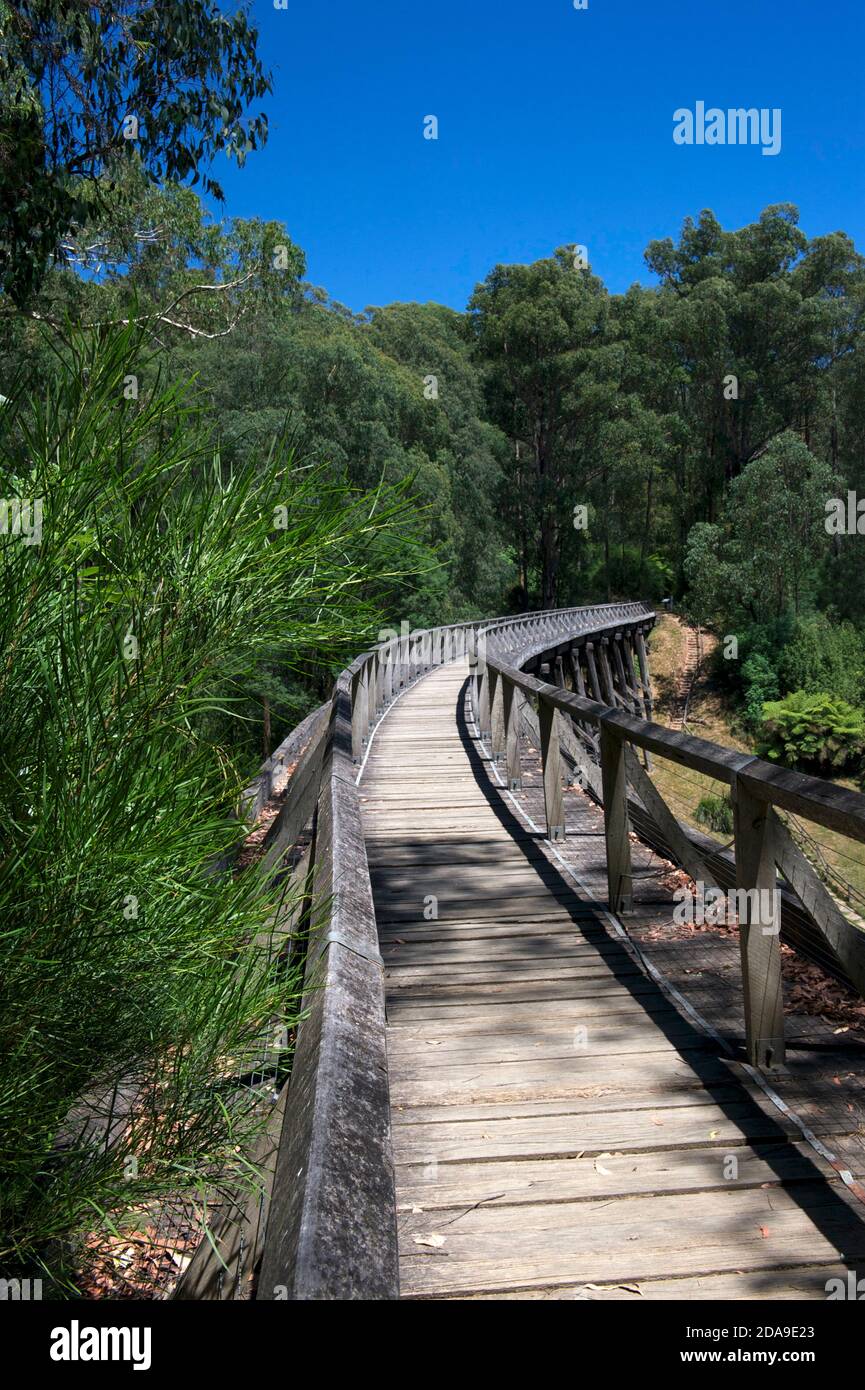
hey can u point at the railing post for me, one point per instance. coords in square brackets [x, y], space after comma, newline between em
[357, 714]
[577, 672]
[511, 716]
[374, 702]
[388, 653]
[497, 718]
[583, 725]
[554, 802]
[483, 709]
[759, 929]
[365, 695]
[403, 660]
[596, 692]
[477, 674]
[616, 823]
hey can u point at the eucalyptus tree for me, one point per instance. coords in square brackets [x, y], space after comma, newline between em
[761, 561]
[753, 317]
[433, 343]
[84, 89]
[540, 331]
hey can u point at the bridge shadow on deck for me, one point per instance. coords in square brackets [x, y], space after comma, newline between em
[832, 1211]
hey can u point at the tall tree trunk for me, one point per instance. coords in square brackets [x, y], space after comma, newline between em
[607, 509]
[549, 561]
[644, 539]
[522, 546]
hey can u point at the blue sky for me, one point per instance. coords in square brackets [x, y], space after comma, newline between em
[555, 126]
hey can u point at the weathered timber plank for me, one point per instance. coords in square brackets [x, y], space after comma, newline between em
[409, 987]
[504, 1183]
[633, 1131]
[809, 1282]
[607, 1098]
[683, 1235]
[656, 1072]
[531, 948]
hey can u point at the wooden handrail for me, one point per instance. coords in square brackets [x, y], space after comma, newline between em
[331, 1230]
[836, 808]
[762, 846]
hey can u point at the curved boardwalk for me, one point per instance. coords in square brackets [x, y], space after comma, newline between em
[558, 1122]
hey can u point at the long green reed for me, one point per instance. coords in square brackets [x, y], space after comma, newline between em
[132, 977]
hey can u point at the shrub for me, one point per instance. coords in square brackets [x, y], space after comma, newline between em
[716, 813]
[761, 685]
[815, 731]
[704, 573]
[822, 655]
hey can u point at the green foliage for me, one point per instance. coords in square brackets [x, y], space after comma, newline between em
[822, 655]
[704, 572]
[137, 983]
[751, 304]
[702, 423]
[551, 394]
[760, 680]
[627, 570]
[352, 390]
[432, 344]
[716, 813]
[771, 536]
[811, 654]
[540, 331]
[775, 511]
[817, 731]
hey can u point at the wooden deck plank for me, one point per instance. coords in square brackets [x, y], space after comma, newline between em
[505, 1183]
[556, 1135]
[629, 1239]
[808, 1282]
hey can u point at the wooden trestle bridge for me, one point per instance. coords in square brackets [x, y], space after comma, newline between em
[513, 1078]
